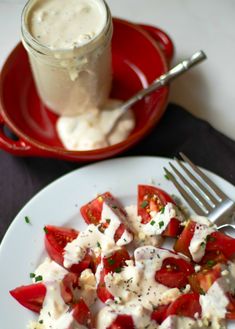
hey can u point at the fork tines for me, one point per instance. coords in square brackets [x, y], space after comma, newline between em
[196, 188]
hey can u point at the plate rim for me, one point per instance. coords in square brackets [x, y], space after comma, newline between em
[10, 233]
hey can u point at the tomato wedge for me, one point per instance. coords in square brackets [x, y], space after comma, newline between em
[151, 198]
[92, 211]
[82, 314]
[200, 282]
[122, 321]
[174, 272]
[56, 239]
[231, 307]
[211, 258]
[102, 292]
[185, 305]
[31, 296]
[159, 314]
[223, 243]
[113, 263]
[183, 242]
[68, 284]
[216, 242]
[116, 261]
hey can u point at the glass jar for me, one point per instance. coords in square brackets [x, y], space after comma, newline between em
[70, 81]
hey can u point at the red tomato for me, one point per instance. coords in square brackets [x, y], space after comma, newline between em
[221, 242]
[174, 273]
[231, 307]
[113, 263]
[151, 198]
[102, 292]
[200, 282]
[82, 314]
[116, 261]
[159, 314]
[91, 211]
[212, 258]
[183, 241]
[185, 305]
[68, 284]
[56, 239]
[31, 296]
[122, 321]
[173, 229]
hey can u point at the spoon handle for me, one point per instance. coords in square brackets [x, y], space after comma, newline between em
[164, 79]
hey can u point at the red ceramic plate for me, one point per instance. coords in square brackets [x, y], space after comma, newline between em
[140, 54]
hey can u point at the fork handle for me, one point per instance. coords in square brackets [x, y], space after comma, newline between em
[164, 79]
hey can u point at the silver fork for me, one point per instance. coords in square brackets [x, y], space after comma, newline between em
[202, 195]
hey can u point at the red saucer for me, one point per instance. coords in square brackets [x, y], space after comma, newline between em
[140, 54]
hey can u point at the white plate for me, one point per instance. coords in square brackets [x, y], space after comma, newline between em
[58, 204]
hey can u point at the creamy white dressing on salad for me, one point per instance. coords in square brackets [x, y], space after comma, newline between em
[150, 233]
[50, 271]
[137, 290]
[198, 241]
[134, 288]
[214, 303]
[92, 237]
[176, 322]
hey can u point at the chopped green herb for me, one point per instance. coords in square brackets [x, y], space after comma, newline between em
[111, 261]
[203, 244]
[40, 321]
[38, 278]
[98, 245]
[202, 292]
[32, 275]
[210, 238]
[114, 207]
[210, 263]
[167, 177]
[27, 220]
[118, 269]
[108, 220]
[152, 222]
[45, 229]
[144, 204]
[162, 210]
[129, 280]
[161, 224]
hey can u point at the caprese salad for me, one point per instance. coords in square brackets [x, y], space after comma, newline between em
[116, 275]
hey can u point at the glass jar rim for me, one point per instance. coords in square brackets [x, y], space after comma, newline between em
[34, 44]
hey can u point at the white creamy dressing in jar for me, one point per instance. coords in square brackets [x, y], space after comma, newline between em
[67, 24]
[69, 47]
[75, 81]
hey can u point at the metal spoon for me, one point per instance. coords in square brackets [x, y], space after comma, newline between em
[163, 80]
